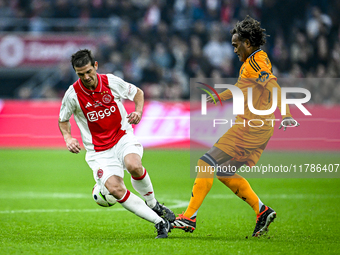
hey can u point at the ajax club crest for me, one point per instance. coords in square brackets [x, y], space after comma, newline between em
[107, 98]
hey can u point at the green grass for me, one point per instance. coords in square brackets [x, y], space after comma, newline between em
[46, 208]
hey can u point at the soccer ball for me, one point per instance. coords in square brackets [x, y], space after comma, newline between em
[104, 198]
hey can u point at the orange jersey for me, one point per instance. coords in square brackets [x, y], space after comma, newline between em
[255, 72]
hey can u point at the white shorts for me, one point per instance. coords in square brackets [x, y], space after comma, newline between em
[110, 162]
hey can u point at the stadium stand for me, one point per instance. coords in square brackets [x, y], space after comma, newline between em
[158, 45]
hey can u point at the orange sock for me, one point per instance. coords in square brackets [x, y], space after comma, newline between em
[202, 186]
[242, 189]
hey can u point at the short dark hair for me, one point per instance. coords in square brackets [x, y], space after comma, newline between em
[82, 58]
[250, 29]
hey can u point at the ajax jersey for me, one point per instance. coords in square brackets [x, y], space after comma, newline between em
[99, 114]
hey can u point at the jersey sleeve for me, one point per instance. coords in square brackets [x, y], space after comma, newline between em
[67, 108]
[124, 89]
[225, 95]
[260, 69]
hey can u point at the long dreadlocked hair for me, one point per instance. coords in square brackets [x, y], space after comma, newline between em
[250, 29]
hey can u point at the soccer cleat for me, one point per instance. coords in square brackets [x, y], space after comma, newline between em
[164, 212]
[264, 218]
[187, 224]
[163, 228]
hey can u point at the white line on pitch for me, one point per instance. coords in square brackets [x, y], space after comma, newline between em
[40, 195]
[177, 204]
[280, 196]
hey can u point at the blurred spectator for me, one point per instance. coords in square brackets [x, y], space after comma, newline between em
[197, 62]
[179, 50]
[217, 50]
[321, 51]
[152, 16]
[280, 55]
[301, 51]
[183, 16]
[317, 22]
[162, 57]
[200, 30]
[212, 10]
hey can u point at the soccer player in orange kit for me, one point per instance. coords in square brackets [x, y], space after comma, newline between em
[241, 144]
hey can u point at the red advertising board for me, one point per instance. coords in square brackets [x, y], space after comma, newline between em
[37, 51]
[164, 125]
[35, 124]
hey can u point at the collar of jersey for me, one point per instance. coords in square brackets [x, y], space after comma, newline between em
[98, 88]
[254, 53]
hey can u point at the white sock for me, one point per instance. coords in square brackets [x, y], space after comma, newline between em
[135, 204]
[260, 204]
[144, 187]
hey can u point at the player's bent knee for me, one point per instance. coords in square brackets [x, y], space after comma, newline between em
[116, 186]
[134, 165]
[116, 191]
[135, 169]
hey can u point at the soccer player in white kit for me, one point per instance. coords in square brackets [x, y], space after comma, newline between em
[95, 100]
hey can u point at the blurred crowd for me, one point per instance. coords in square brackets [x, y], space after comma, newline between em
[159, 45]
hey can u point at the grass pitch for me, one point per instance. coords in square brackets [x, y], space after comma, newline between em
[46, 208]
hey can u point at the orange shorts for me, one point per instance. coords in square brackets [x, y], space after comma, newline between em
[245, 144]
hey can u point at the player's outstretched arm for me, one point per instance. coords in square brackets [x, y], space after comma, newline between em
[136, 116]
[72, 144]
[225, 95]
[287, 120]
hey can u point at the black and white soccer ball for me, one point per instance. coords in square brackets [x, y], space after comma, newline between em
[103, 198]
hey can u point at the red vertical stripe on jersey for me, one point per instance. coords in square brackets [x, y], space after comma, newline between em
[102, 113]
